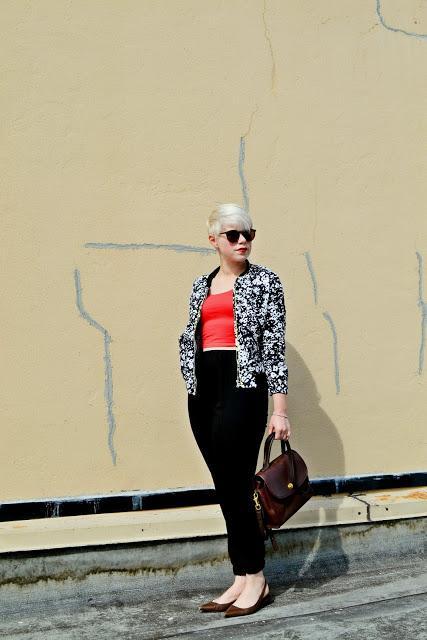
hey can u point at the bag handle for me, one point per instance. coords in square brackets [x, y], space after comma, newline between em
[285, 445]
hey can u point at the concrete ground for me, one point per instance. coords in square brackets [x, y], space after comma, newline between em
[342, 582]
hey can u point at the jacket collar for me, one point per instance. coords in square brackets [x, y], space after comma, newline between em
[213, 273]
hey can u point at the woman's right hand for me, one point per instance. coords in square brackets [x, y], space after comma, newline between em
[281, 427]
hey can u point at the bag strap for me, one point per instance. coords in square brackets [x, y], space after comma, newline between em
[258, 511]
[273, 539]
[266, 531]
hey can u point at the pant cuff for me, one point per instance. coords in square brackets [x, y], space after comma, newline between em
[255, 568]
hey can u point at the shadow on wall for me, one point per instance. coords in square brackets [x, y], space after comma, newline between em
[311, 427]
[315, 437]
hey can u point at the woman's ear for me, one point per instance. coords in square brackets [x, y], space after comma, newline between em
[213, 241]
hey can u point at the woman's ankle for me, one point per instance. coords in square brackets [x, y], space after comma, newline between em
[253, 577]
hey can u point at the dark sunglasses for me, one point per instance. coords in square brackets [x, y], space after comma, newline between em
[233, 235]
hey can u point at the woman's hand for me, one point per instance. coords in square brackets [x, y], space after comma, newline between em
[281, 427]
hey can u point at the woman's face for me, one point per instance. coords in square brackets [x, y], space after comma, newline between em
[232, 251]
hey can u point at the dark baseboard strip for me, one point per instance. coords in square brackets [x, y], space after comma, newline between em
[174, 499]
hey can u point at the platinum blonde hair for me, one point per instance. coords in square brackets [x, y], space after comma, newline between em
[228, 213]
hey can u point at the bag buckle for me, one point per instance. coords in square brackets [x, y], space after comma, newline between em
[256, 500]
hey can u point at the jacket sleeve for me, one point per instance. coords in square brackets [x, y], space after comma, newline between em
[273, 344]
[185, 340]
[190, 303]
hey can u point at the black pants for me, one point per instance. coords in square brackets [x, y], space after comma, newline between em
[229, 423]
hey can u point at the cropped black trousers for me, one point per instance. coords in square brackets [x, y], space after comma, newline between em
[228, 423]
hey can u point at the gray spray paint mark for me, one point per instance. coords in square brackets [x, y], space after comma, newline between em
[312, 274]
[270, 46]
[137, 503]
[108, 387]
[52, 510]
[423, 309]
[421, 36]
[242, 161]
[242, 175]
[325, 315]
[334, 334]
[146, 245]
[365, 502]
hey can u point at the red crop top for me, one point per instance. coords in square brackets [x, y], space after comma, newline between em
[218, 320]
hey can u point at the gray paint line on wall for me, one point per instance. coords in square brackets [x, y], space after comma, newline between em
[423, 309]
[312, 274]
[421, 36]
[242, 175]
[133, 246]
[53, 512]
[137, 503]
[335, 345]
[108, 369]
[270, 46]
[328, 318]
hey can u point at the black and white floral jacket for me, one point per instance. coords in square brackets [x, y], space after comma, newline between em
[259, 329]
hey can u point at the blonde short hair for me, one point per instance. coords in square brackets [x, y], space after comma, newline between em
[229, 213]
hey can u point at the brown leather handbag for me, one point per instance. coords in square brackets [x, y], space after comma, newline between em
[280, 488]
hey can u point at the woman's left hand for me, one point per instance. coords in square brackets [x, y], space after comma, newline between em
[281, 427]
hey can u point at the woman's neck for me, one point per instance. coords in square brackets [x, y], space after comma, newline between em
[231, 269]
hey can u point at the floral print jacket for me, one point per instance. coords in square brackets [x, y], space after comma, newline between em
[259, 329]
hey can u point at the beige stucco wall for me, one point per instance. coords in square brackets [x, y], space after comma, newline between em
[123, 122]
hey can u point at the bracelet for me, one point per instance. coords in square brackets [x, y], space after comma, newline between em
[282, 415]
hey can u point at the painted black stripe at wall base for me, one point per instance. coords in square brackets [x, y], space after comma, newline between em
[176, 498]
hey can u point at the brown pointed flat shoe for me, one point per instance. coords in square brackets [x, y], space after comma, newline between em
[261, 602]
[212, 606]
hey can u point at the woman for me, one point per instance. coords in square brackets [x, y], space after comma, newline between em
[232, 357]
